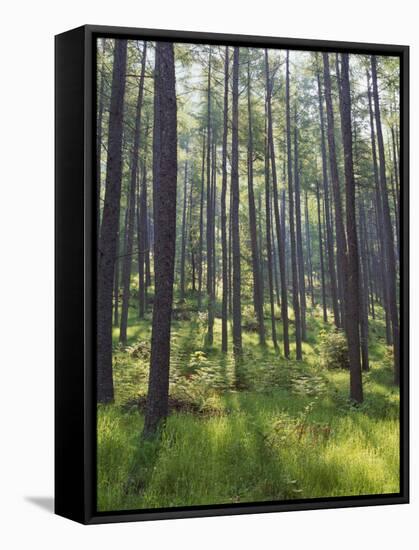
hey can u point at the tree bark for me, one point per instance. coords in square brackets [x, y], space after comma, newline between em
[387, 228]
[353, 305]
[329, 236]
[382, 270]
[309, 254]
[142, 238]
[340, 231]
[235, 232]
[294, 269]
[224, 253]
[210, 218]
[100, 109]
[109, 226]
[183, 233]
[257, 289]
[279, 231]
[322, 277]
[299, 238]
[201, 226]
[269, 244]
[364, 280]
[127, 261]
[164, 202]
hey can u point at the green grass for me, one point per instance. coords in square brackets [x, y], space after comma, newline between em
[291, 433]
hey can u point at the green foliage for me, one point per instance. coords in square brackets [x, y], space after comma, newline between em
[334, 350]
[139, 350]
[249, 321]
[293, 433]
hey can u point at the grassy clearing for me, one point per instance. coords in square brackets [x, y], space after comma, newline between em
[291, 432]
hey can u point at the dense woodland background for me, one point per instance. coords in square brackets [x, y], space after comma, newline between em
[248, 274]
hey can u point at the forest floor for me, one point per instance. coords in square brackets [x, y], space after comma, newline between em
[289, 433]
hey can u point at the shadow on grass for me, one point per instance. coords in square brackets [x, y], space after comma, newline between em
[143, 465]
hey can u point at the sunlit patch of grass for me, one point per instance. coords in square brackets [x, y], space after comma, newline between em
[291, 433]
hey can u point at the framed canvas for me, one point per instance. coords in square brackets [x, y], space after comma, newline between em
[231, 274]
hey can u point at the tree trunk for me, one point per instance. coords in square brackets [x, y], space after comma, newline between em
[309, 255]
[109, 226]
[319, 221]
[224, 306]
[210, 218]
[235, 232]
[183, 233]
[164, 201]
[257, 289]
[279, 230]
[387, 228]
[201, 227]
[300, 257]
[294, 270]
[363, 288]
[382, 270]
[127, 260]
[353, 305]
[329, 235]
[214, 219]
[116, 282]
[340, 231]
[100, 110]
[142, 240]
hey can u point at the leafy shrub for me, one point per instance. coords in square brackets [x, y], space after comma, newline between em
[249, 321]
[201, 382]
[139, 350]
[334, 350]
[197, 360]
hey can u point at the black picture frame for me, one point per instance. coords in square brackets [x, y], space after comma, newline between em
[75, 273]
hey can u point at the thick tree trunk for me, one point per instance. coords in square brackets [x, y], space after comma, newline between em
[353, 306]
[109, 226]
[387, 228]
[164, 201]
[257, 289]
[127, 260]
[235, 232]
[294, 268]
